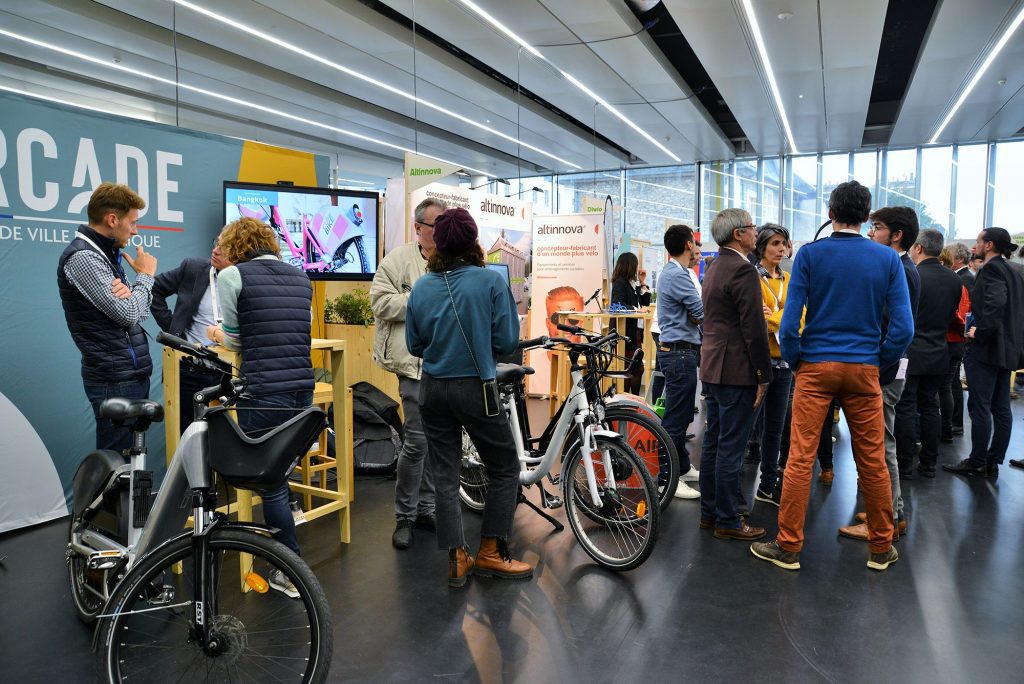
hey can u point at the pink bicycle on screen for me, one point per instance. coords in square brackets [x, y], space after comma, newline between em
[330, 240]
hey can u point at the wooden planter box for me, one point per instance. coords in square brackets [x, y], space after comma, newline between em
[359, 364]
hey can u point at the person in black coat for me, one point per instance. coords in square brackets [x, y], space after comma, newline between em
[928, 353]
[995, 338]
[629, 289]
[195, 308]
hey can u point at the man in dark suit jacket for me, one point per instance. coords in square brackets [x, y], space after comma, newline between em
[928, 353]
[736, 367]
[995, 341]
[961, 256]
[195, 308]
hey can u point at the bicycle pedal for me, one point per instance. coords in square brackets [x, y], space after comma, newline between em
[553, 501]
[104, 560]
[554, 479]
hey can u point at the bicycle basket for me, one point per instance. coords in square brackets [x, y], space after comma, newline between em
[264, 462]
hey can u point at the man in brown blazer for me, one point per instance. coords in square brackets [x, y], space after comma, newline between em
[736, 367]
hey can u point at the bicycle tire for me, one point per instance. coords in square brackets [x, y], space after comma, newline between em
[622, 533]
[147, 636]
[649, 439]
[473, 480]
[339, 254]
[87, 603]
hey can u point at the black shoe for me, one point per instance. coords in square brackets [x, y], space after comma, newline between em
[1017, 462]
[772, 497]
[926, 469]
[958, 431]
[992, 470]
[907, 473]
[402, 538]
[946, 439]
[964, 467]
[425, 522]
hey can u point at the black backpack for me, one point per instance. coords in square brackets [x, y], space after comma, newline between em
[377, 433]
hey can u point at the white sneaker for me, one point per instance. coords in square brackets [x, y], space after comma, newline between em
[691, 475]
[685, 491]
[278, 581]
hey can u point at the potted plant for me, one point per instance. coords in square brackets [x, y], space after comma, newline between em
[350, 308]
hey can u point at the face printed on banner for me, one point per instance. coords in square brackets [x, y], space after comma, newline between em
[563, 299]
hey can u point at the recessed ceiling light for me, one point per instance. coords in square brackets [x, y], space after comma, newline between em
[266, 36]
[785, 16]
[1001, 81]
[569, 77]
[219, 96]
[996, 49]
[766, 64]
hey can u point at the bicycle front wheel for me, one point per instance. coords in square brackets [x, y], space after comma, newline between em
[620, 531]
[262, 635]
[473, 480]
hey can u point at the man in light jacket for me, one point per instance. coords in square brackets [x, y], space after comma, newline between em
[389, 294]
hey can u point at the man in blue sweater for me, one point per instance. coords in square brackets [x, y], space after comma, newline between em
[845, 282]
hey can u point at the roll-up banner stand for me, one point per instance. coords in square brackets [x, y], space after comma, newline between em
[568, 258]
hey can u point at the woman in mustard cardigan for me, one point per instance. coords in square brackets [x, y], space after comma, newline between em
[771, 246]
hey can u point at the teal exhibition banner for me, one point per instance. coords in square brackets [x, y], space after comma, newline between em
[51, 158]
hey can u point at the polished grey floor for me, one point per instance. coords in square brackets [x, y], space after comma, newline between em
[701, 609]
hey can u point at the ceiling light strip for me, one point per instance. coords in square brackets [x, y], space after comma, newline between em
[567, 76]
[767, 66]
[69, 103]
[266, 37]
[226, 98]
[996, 49]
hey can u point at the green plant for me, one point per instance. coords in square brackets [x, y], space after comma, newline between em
[351, 308]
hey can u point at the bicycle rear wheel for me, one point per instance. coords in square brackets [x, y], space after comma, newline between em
[88, 587]
[473, 479]
[261, 635]
[621, 531]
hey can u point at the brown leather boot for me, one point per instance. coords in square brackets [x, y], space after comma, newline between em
[826, 476]
[460, 567]
[493, 560]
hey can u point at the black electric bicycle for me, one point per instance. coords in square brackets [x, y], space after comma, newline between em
[195, 605]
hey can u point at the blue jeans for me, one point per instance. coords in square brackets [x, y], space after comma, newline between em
[108, 435]
[774, 409]
[730, 416]
[255, 422]
[988, 405]
[680, 371]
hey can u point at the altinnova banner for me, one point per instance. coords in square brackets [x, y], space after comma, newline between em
[568, 253]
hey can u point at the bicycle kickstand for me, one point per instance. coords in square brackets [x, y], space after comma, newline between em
[544, 495]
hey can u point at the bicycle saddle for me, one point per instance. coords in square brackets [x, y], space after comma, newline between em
[509, 372]
[123, 409]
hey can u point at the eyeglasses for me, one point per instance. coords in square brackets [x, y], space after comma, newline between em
[747, 227]
[424, 223]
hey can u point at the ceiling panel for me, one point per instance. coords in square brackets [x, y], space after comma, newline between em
[960, 37]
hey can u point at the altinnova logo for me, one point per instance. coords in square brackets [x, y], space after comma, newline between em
[559, 230]
[487, 206]
[415, 171]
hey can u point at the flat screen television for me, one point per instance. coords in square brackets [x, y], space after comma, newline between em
[502, 270]
[331, 234]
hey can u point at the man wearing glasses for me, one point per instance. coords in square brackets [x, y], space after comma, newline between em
[389, 294]
[194, 286]
[736, 367]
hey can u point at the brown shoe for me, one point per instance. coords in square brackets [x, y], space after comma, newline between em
[493, 560]
[860, 530]
[744, 532]
[825, 477]
[460, 567]
[707, 523]
[862, 517]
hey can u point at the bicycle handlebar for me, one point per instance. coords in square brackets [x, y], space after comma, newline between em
[535, 342]
[194, 350]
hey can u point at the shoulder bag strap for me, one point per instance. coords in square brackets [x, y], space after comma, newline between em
[458, 320]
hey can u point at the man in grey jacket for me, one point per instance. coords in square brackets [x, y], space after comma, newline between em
[389, 294]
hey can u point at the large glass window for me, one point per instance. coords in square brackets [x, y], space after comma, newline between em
[835, 169]
[536, 189]
[658, 197]
[1008, 199]
[573, 189]
[971, 168]
[801, 198]
[936, 173]
[865, 172]
[746, 188]
[770, 184]
[900, 182]
[717, 183]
